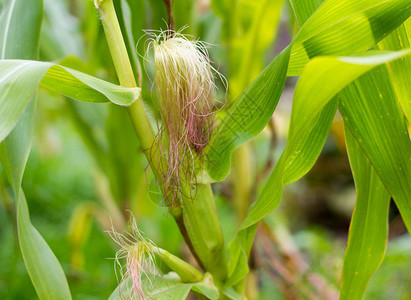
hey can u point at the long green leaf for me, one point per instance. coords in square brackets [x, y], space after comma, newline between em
[15, 149]
[337, 27]
[20, 23]
[42, 265]
[400, 69]
[344, 27]
[369, 228]
[376, 121]
[312, 114]
[20, 79]
[247, 117]
[304, 155]
[321, 80]
[368, 235]
[368, 231]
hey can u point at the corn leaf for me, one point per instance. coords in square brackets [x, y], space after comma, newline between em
[232, 294]
[15, 149]
[321, 80]
[344, 27]
[314, 107]
[375, 103]
[42, 265]
[167, 287]
[21, 21]
[368, 234]
[400, 69]
[304, 9]
[337, 27]
[372, 114]
[246, 117]
[163, 289]
[20, 79]
[369, 228]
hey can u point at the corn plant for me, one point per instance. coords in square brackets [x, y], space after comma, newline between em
[195, 124]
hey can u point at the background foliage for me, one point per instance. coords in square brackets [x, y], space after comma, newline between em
[86, 169]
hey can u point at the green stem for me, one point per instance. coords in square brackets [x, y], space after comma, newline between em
[125, 75]
[116, 43]
[242, 174]
[186, 271]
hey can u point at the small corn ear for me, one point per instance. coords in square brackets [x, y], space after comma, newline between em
[138, 253]
[185, 85]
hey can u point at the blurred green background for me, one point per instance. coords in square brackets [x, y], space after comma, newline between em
[86, 170]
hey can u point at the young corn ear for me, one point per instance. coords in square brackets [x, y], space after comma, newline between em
[138, 253]
[184, 82]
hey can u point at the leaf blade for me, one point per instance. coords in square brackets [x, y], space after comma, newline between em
[345, 27]
[311, 118]
[42, 265]
[400, 69]
[368, 235]
[19, 31]
[247, 117]
[20, 79]
[378, 120]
